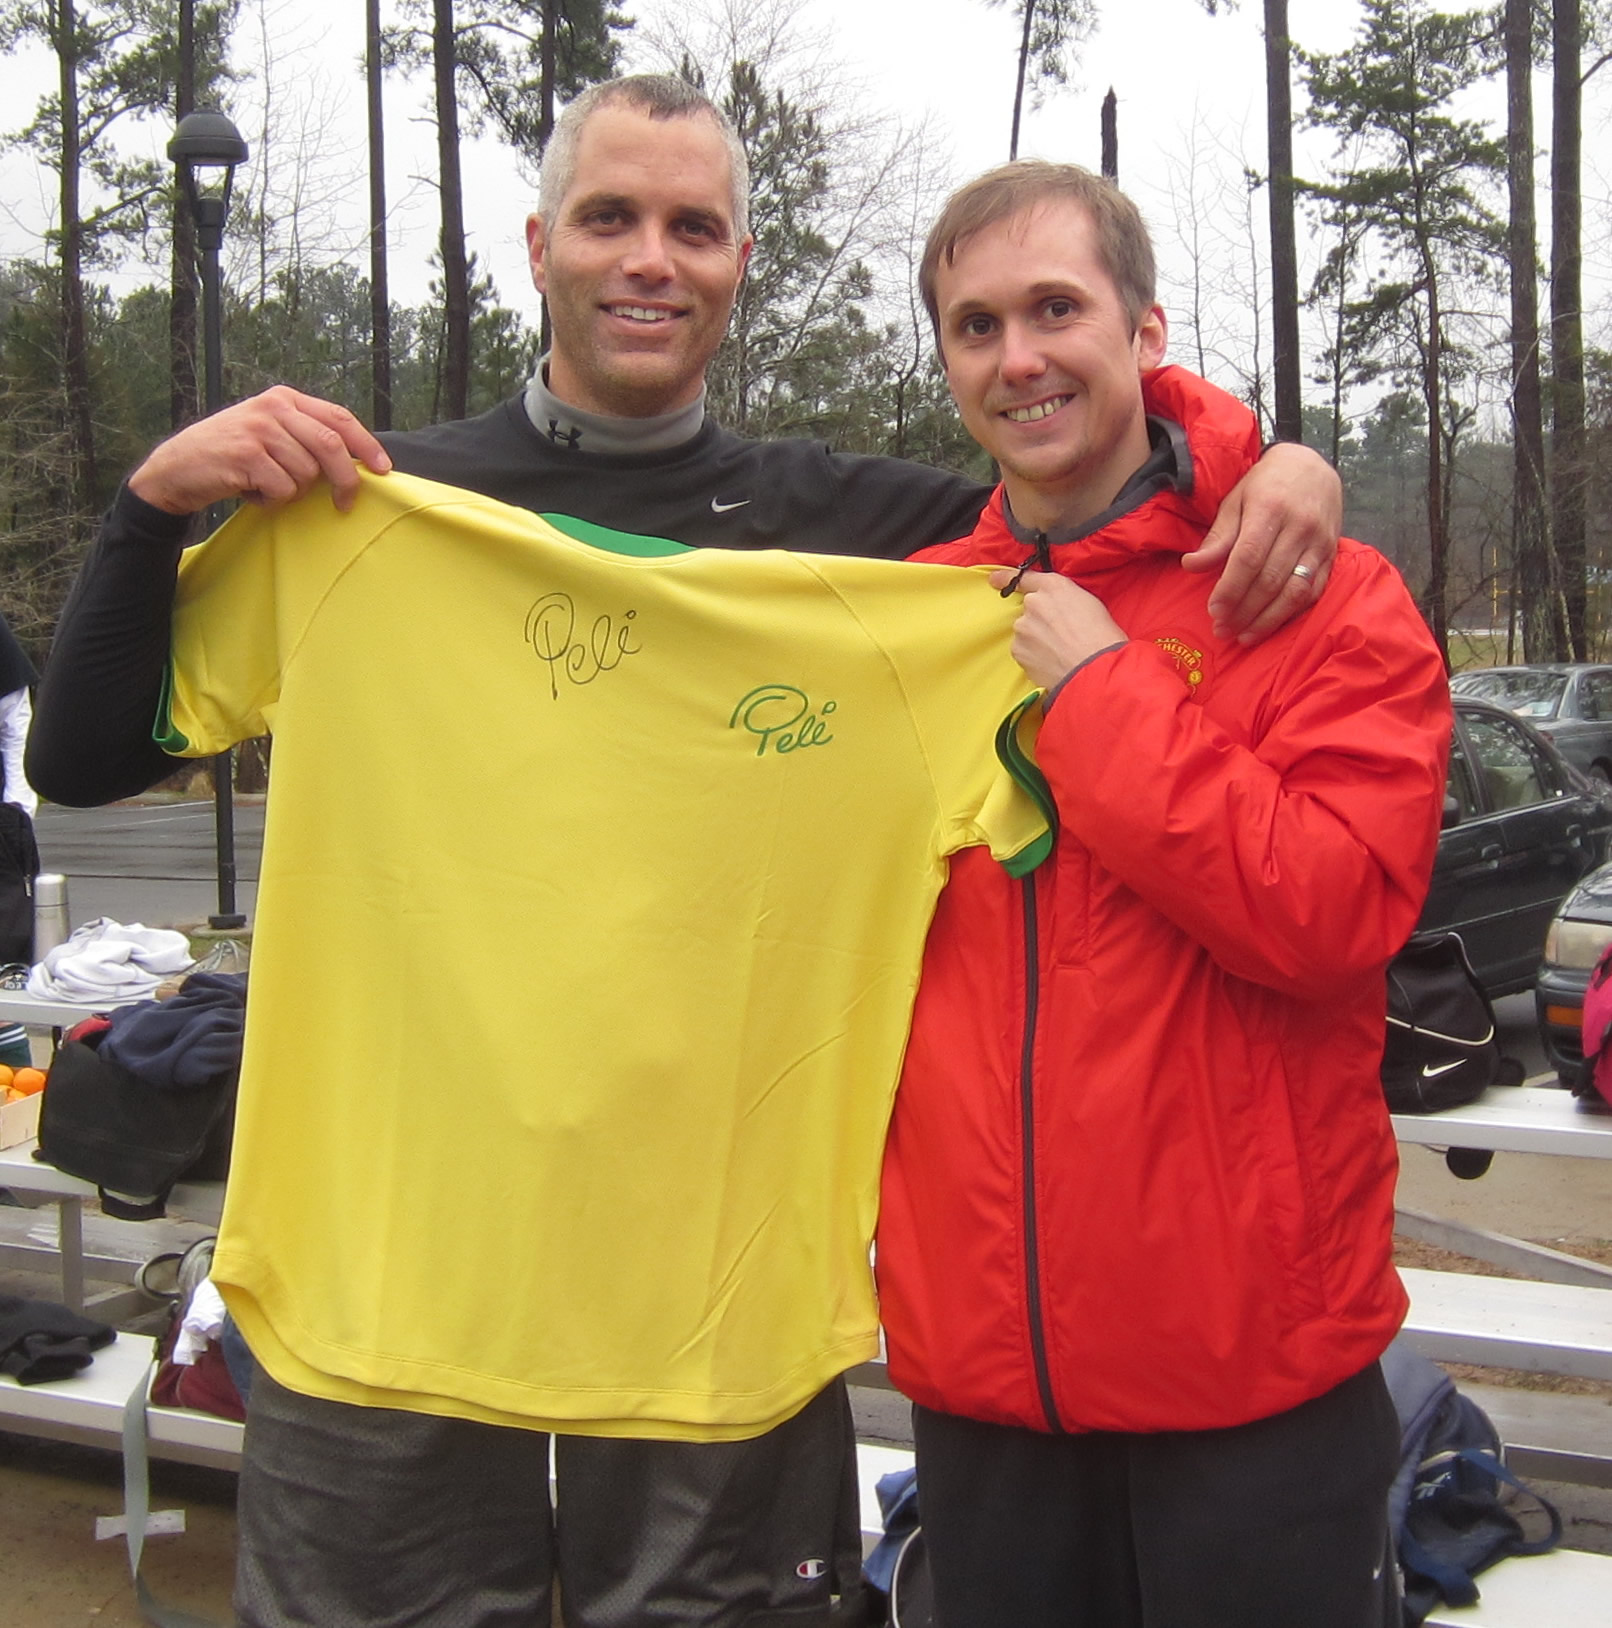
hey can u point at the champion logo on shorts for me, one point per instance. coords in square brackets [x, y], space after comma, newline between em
[810, 1569]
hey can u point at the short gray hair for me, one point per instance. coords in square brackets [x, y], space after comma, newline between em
[661, 96]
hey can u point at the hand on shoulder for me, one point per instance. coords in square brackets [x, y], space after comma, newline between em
[1276, 535]
[269, 449]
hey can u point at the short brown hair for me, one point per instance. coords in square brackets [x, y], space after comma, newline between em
[1123, 243]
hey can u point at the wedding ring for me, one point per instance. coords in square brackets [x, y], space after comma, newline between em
[1305, 571]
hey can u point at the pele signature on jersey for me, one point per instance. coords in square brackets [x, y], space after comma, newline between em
[782, 719]
[579, 652]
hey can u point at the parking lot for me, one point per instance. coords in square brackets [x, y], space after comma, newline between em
[153, 862]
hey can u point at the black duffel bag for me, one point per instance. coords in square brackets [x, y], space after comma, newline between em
[1441, 1049]
[102, 1123]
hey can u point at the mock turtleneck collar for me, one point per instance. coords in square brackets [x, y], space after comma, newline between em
[569, 426]
[1168, 467]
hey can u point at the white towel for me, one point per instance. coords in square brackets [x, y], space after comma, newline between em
[106, 960]
[203, 1322]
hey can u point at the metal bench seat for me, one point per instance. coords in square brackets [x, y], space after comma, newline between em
[1553, 1328]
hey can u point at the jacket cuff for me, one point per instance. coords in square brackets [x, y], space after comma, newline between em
[1057, 689]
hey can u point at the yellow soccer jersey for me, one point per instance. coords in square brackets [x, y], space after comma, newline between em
[595, 883]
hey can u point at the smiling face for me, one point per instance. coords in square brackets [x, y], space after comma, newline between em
[1045, 363]
[640, 263]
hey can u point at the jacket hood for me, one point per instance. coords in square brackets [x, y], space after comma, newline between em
[1222, 445]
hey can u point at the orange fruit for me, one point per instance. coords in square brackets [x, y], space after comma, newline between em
[5, 1076]
[28, 1081]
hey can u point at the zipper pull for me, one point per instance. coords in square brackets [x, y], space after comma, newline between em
[1040, 558]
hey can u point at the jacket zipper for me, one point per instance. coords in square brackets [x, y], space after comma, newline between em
[1040, 558]
[1032, 1254]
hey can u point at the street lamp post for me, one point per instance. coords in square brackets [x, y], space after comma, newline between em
[206, 148]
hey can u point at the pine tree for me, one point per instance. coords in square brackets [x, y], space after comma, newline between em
[1048, 31]
[1544, 631]
[1421, 181]
[1573, 24]
[500, 63]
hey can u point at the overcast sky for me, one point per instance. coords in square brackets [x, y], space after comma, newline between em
[1190, 90]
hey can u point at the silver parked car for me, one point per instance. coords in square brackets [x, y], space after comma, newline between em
[1569, 703]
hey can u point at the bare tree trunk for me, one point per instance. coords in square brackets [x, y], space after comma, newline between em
[75, 338]
[1543, 636]
[1347, 238]
[1024, 68]
[455, 397]
[548, 55]
[1256, 384]
[548, 51]
[380, 304]
[1110, 117]
[1284, 253]
[1435, 601]
[1337, 365]
[184, 393]
[1569, 468]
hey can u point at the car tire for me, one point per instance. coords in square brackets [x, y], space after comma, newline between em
[1600, 771]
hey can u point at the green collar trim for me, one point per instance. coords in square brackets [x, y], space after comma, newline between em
[1022, 767]
[614, 542]
[163, 732]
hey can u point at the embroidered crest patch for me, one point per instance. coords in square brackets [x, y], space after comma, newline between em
[1190, 662]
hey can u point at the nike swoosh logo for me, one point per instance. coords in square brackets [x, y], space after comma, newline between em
[723, 508]
[1433, 1070]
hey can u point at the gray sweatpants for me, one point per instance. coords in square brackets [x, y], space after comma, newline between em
[353, 1517]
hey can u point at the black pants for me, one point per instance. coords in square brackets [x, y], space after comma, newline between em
[1281, 1523]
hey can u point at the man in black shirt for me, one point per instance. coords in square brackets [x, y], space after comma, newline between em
[363, 1516]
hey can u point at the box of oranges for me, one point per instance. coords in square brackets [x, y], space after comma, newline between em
[20, 1096]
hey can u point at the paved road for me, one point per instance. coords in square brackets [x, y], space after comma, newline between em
[154, 863]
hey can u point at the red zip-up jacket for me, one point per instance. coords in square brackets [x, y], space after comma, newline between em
[1140, 1174]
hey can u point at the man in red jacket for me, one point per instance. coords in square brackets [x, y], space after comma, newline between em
[1134, 1245]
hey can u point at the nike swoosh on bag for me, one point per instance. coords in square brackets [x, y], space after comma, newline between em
[1433, 1070]
[722, 508]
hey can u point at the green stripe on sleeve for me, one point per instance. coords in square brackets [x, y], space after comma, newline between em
[1028, 777]
[163, 732]
[1028, 859]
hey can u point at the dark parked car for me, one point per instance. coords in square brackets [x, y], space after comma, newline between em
[1521, 827]
[1581, 930]
[1570, 704]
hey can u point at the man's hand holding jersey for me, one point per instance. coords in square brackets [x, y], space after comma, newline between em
[269, 449]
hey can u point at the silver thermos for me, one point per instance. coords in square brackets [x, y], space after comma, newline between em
[51, 922]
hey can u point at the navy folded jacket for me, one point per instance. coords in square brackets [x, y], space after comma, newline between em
[194, 1039]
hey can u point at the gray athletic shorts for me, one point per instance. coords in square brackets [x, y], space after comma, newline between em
[352, 1517]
